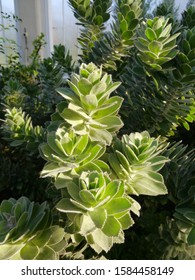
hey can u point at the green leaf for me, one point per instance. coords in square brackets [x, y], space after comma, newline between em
[8, 252]
[166, 31]
[6, 206]
[98, 20]
[17, 143]
[110, 107]
[80, 145]
[117, 205]
[149, 184]
[186, 46]
[84, 86]
[42, 238]
[112, 227]
[29, 252]
[188, 79]
[150, 34]
[113, 123]
[192, 41]
[122, 159]
[103, 241]
[53, 144]
[47, 253]
[130, 15]
[123, 26]
[98, 88]
[87, 197]
[73, 190]
[109, 90]
[65, 205]
[191, 237]
[155, 47]
[52, 169]
[127, 35]
[151, 56]
[73, 117]
[87, 225]
[90, 101]
[96, 152]
[56, 235]
[98, 216]
[133, 24]
[100, 135]
[126, 221]
[111, 189]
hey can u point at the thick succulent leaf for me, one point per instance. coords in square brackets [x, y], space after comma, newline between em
[87, 225]
[112, 227]
[87, 197]
[65, 205]
[84, 86]
[126, 221]
[98, 89]
[73, 117]
[94, 153]
[110, 107]
[89, 102]
[100, 135]
[29, 252]
[150, 34]
[47, 253]
[111, 190]
[117, 205]
[42, 238]
[99, 217]
[191, 237]
[103, 241]
[53, 169]
[149, 184]
[10, 251]
[80, 145]
[112, 123]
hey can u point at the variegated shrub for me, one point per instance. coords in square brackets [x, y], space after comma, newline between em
[98, 209]
[136, 160]
[96, 186]
[90, 108]
[26, 231]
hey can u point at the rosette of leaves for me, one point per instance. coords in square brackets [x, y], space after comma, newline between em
[184, 73]
[156, 46]
[96, 11]
[69, 154]
[136, 160]
[92, 15]
[98, 209]
[179, 175]
[26, 231]
[128, 14]
[18, 129]
[172, 244]
[90, 108]
[111, 49]
[188, 17]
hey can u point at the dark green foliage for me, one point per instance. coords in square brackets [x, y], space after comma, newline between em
[188, 17]
[27, 98]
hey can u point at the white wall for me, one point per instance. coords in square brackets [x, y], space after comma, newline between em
[64, 27]
[40, 16]
[35, 19]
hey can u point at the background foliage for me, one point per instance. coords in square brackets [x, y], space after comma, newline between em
[99, 138]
